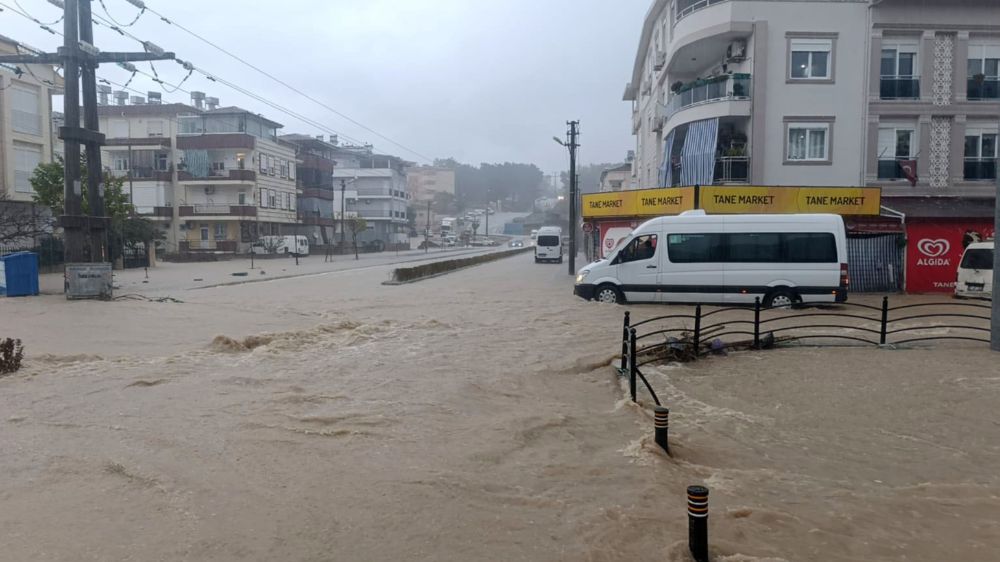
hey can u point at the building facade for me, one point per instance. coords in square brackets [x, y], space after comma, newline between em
[426, 181]
[26, 136]
[214, 179]
[381, 197]
[894, 94]
[616, 179]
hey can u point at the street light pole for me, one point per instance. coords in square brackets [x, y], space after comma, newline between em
[343, 190]
[995, 311]
[572, 145]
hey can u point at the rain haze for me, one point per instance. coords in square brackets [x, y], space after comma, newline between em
[476, 81]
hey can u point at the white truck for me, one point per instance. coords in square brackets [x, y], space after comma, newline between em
[291, 245]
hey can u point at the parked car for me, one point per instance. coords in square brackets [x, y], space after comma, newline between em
[975, 271]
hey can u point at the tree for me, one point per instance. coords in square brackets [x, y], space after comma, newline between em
[21, 222]
[356, 224]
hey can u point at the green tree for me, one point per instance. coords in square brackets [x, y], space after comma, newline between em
[356, 225]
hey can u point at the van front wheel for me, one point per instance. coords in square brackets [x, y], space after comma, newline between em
[609, 294]
[781, 298]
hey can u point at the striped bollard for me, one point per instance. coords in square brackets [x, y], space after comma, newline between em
[698, 522]
[661, 423]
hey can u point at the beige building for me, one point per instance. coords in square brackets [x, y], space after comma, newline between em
[26, 135]
[424, 181]
[214, 178]
[616, 179]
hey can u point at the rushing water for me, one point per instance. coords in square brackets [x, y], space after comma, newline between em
[474, 417]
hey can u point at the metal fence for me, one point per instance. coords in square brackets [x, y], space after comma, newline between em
[707, 331]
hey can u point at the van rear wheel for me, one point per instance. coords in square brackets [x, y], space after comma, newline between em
[609, 294]
[781, 298]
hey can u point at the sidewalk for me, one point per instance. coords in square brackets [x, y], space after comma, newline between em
[172, 278]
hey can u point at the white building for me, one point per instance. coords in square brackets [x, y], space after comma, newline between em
[381, 197]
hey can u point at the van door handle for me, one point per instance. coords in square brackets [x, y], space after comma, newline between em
[650, 267]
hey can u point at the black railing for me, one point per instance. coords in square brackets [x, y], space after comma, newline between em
[890, 169]
[980, 168]
[732, 169]
[899, 88]
[986, 89]
[701, 333]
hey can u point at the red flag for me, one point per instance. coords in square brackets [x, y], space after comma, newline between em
[909, 168]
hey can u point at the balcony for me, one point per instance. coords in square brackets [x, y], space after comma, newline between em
[380, 214]
[730, 87]
[146, 173]
[890, 168]
[732, 169]
[899, 88]
[377, 192]
[244, 176]
[218, 210]
[313, 220]
[208, 246]
[139, 141]
[980, 169]
[163, 212]
[687, 7]
[985, 89]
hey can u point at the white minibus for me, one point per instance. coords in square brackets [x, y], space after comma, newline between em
[694, 257]
[548, 244]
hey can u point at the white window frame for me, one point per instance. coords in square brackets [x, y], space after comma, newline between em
[896, 128]
[25, 109]
[263, 198]
[978, 132]
[809, 128]
[154, 128]
[983, 50]
[25, 156]
[215, 231]
[901, 46]
[810, 46]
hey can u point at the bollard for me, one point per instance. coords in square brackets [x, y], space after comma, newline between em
[883, 332]
[632, 368]
[698, 522]
[661, 424]
[625, 344]
[756, 323]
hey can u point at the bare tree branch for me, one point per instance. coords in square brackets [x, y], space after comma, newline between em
[21, 223]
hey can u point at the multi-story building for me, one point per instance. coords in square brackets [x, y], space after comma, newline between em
[425, 181]
[26, 137]
[616, 179]
[380, 197]
[885, 93]
[214, 178]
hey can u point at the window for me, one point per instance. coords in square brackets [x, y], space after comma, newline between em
[548, 240]
[811, 59]
[240, 160]
[118, 129]
[263, 198]
[220, 231]
[898, 70]
[272, 199]
[288, 201]
[757, 247]
[26, 109]
[894, 145]
[984, 71]
[291, 170]
[154, 128]
[162, 161]
[808, 142]
[263, 163]
[27, 157]
[241, 198]
[640, 248]
[977, 259]
[981, 154]
[121, 163]
[218, 167]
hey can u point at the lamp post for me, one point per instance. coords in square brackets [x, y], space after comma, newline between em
[571, 145]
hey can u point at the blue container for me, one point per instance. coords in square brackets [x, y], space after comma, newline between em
[19, 274]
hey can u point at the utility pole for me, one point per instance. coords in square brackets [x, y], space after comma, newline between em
[343, 200]
[427, 231]
[571, 136]
[78, 56]
[995, 316]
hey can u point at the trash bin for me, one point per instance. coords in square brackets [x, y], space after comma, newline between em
[19, 274]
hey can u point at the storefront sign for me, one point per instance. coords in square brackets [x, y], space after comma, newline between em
[779, 200]
[934, 250]
[639, 203]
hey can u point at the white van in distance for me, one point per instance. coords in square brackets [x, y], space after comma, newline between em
[694, 257]
[281, 245]
[975, 271]
[548, 244]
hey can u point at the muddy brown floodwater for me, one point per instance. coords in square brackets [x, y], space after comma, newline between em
[472, 417]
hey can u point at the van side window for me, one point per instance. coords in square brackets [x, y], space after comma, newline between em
[641, 248]
[695, 248]
[753, 247]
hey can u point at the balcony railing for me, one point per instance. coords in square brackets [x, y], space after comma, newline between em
[146, 173]
[688, 7]
[379, 214]
[899, 88]
[378, 192]
[219, 175]
[731, 87]
[986, 89]
[890, 169]
[732, 169]
[218, 210]
[980, 169]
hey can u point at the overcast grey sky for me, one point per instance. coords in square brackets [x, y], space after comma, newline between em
[477, 80]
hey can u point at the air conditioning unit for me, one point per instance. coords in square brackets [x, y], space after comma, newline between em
[659, 60]
[658, 122]
[736, 51]
[209, 189]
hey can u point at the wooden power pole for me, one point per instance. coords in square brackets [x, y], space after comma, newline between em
[86, 239]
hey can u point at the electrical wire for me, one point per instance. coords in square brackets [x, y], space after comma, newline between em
[36, 20]
[112, 18]
[287, 85]
[20, 11]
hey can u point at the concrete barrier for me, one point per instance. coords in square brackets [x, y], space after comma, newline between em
[403, 275]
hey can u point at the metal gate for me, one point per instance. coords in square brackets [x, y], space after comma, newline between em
[876, 262]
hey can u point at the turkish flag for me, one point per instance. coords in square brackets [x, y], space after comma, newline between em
[909, 168]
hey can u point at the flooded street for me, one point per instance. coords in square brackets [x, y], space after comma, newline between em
[473, 416]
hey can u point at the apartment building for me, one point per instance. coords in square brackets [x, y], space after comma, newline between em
[893, 94]
[26, 137]
[214, 178]
[616, 179]
[426, 181]
[381, 197]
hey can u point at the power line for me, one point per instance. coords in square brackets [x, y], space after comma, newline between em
[34, 19]
[287, 85]
[142, 10]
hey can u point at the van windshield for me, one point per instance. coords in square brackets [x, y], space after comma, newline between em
[980, 258]
[548, 240]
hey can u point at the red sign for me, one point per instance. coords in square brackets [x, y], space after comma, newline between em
[588, 227]
[934, 250]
